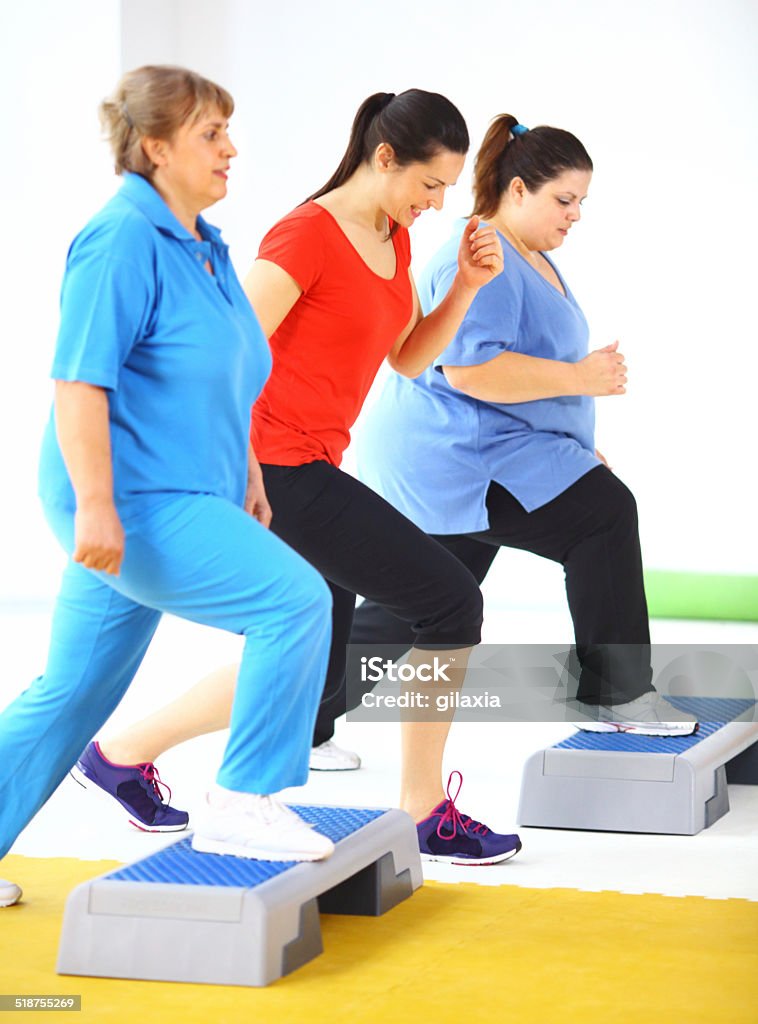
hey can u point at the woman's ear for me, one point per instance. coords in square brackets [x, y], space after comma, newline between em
[384, 157]
[154, 150]
[517, 190]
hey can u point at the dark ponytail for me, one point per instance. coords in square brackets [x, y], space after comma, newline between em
[417, 124]
[535, 156]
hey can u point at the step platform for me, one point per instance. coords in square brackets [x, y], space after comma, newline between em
[178, 915]
[617, 782]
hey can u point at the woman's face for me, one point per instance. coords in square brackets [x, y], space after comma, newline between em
[408, 191]
[544, 218]
[195, 163]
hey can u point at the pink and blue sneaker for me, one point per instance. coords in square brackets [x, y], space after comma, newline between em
[137, 787]
[447, 835]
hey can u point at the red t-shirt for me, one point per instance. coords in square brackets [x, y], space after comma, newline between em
[329, 347]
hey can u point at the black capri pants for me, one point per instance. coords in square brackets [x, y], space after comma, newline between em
[592, 530]
[362, 545]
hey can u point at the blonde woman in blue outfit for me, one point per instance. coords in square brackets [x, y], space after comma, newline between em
[158, 361]
[493, 446]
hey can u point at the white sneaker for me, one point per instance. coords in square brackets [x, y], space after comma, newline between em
[258, 827]
[9, 893]
[648, 715]
[328, 757]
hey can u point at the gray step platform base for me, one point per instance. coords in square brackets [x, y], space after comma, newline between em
[178, 915]
[624, 783]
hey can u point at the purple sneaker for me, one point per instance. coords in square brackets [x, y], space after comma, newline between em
[450, 836]
[135, 786]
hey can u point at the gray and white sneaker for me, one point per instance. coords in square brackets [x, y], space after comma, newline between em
[648, 715]
[328, 757]
[9, 893]
[257, 827]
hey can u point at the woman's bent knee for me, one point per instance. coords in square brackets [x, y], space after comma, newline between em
[472, 612]
[460, 610]
[621, 505]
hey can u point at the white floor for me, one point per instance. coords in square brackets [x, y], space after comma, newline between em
[720, 862]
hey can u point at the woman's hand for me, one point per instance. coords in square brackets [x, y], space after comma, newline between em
[98, 537]
[602, 372]
[480, 259]
[256, 502]
[480, 255]
[599, 455]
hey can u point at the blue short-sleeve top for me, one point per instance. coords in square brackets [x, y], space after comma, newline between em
[432, 451]
[178, 351]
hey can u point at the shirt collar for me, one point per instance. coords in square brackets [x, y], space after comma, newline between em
[209, 232]
[146, 198]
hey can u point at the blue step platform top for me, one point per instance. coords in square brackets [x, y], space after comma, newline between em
[178, 864]
[711, 712]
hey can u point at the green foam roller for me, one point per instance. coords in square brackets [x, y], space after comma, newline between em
[693, 595]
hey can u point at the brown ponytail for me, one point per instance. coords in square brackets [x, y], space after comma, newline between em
[487, 190]
[354, 154]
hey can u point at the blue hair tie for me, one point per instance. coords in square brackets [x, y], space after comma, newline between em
[519, 129]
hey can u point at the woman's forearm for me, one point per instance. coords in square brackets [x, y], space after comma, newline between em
[513, 377]
[83, 428]
[256, 502]
[434, 332]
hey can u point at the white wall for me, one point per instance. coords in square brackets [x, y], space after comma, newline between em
[57, 60]
[662, 92]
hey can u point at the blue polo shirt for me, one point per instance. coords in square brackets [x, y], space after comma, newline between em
[178, 351]
[432, 451]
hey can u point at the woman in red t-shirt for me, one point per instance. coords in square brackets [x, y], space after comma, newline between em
[333, 291]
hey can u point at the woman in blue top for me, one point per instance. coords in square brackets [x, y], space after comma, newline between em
[493, 445]
[158, 361]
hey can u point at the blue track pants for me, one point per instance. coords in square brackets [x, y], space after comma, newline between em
[202, 558]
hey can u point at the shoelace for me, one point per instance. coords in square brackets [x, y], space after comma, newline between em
[277, 811]
[268, 809]
[454, 817]
[149, 773]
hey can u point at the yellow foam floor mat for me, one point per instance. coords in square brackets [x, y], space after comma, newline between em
[452, 953]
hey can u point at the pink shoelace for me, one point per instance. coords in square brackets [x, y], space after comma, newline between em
[149, 773]
[454, 817]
